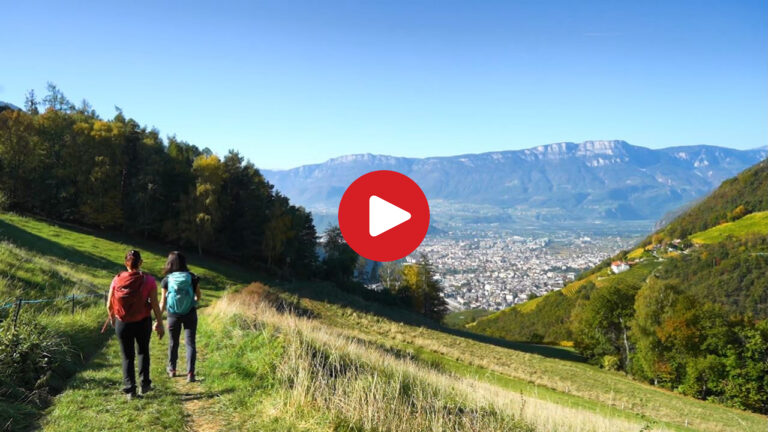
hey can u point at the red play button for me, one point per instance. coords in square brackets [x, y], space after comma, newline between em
[383, 215]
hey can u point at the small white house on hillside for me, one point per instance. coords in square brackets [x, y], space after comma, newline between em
[619, 267]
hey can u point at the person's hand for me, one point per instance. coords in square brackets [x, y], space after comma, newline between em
[159, 329]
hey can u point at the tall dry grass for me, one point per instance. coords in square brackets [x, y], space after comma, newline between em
[364, 386]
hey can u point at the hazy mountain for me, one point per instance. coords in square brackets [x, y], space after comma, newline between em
[608, 180]
[721, 277]
[5, 105]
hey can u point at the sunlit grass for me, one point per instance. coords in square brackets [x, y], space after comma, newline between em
[360, 385]
[39, 260]
[93, 400]
[752, 224]
[567, 383]
[269, 371]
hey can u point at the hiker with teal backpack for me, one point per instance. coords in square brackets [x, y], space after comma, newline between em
[181, 294]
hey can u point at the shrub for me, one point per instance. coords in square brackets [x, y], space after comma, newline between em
[28, 355]
[610, 362]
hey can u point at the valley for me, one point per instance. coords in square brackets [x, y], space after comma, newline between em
[247, 344]
[494, 269]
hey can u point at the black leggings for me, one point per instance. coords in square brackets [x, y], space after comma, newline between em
[131, 335]
[175, 322]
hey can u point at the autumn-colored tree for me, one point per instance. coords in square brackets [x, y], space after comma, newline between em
[425, 292]
[209, 174]
[738, 213]
[19, 157]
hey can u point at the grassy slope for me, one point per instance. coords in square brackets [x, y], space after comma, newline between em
[701, 223]
[545, 316]
[42, 260]
[747, 189]
[462, 318]
[238, 364]
[564, 382]
[752, 224]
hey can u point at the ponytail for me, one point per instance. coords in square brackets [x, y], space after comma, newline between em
[133, 259]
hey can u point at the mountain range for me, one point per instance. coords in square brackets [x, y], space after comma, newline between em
[593, 180]
[695, 289]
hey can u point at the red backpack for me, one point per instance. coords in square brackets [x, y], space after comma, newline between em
[129, 302]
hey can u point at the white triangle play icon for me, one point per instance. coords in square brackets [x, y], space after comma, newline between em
[383, 216]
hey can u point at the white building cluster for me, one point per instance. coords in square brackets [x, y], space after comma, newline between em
[494, 270]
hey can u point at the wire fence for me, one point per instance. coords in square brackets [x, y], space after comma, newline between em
[70, 299]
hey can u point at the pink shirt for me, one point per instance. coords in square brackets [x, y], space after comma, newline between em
[146, 289]
[149, 284]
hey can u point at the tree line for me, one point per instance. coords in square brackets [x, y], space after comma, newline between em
[64, 162]
[410, 286]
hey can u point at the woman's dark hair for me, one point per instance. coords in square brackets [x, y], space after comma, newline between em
[133, 259]
[176, 262]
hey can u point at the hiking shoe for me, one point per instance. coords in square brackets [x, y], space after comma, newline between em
[146, 388]
[171, 373]
[191, 377]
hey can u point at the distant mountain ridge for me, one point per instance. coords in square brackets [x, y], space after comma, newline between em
[708, 263]
[611, 180]
[7, 105]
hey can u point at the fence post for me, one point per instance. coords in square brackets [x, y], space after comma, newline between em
[16, 313]
[73, 303]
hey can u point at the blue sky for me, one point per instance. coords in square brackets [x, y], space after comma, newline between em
[289, 83]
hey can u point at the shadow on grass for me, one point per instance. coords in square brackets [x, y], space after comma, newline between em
[63, 378]
[187, 397]
[45, 246]
[327, 292]
[319, 291]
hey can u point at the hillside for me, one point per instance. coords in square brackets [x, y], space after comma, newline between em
[545, 319]
[747, 189]
[305, 356]
[593, 180]
[696, 294]
[754, 224]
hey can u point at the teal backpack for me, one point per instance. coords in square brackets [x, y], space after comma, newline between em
[181, 294]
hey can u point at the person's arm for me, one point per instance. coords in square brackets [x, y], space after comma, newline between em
[158, 313]
[110, 313]
[164, 298]
[196, 284]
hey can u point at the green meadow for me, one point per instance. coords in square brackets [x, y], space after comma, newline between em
[751, 224]
[278, 356]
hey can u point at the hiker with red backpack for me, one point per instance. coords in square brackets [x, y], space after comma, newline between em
[181, 294]
[131, 300]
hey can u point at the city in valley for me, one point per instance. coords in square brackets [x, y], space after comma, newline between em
[496, 269]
